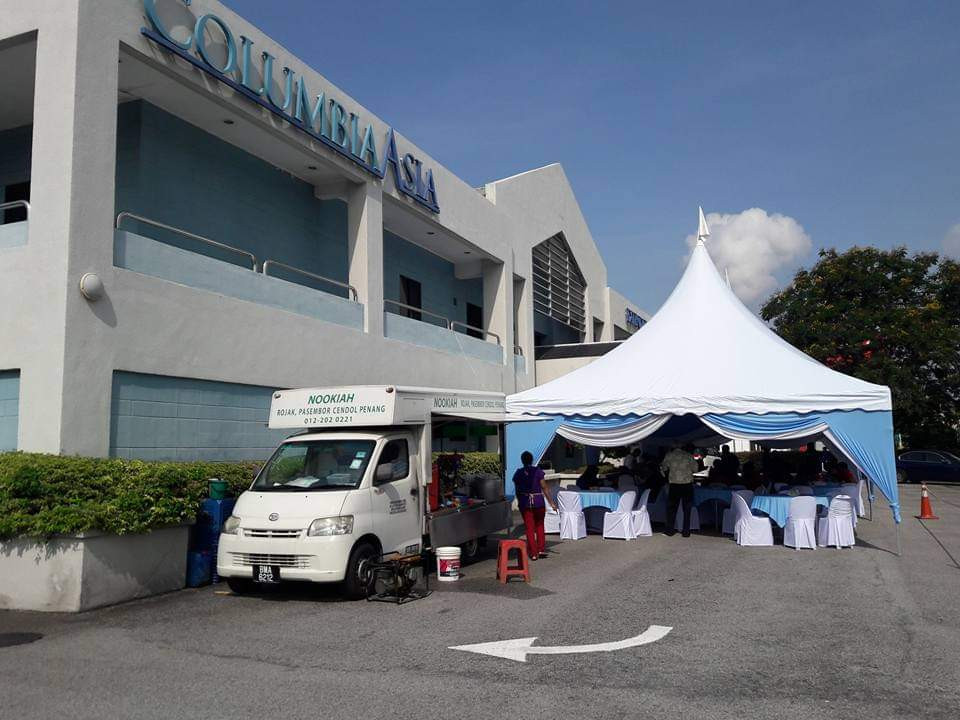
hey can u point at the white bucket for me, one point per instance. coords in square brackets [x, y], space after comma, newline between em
[448, 564]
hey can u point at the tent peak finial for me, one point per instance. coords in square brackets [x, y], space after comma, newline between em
[703, 232]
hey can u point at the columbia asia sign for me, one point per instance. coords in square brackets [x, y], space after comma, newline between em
[323, 118]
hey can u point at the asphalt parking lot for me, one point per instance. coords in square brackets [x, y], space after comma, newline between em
[757, 633]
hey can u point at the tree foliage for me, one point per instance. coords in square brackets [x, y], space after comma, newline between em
[887, 317]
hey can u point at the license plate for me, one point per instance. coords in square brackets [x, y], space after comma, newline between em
[266, 574]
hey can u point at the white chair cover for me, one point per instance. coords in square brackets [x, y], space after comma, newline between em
[851, 490]
[573, 525]
[801, 528]
[641, 518]
[836, 529]
[860, 498]
[658, 510]
[749, 529]
[551, 521]
[619, 523]
[626, 482]
[730, 513]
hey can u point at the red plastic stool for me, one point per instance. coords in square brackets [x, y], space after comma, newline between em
[504, 570]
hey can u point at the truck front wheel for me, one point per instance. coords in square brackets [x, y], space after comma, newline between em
[359, 579]
[470, 549]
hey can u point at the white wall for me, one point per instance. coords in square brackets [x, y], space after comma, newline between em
[616, 308]
[548, 370]
[540, 204]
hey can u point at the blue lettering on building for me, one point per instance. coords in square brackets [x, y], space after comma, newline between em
[633, 319]
[322, 118]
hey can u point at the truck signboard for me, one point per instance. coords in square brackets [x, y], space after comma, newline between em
[374, 405]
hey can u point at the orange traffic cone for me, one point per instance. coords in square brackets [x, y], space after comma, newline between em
[926, 512]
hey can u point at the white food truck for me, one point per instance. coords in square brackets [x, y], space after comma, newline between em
[353, 485]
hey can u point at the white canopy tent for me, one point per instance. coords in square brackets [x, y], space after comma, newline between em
[704, 354]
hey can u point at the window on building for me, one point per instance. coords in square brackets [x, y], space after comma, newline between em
[475, 320]
[558, 284]
[410, 295]
[16, 191]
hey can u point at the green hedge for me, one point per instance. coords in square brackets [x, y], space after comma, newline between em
[45, 495]
[478, 462]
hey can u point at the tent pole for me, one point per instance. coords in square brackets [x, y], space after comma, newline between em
[870, 496]
[899, 548]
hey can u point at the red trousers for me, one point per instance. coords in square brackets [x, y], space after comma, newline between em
[533, 522]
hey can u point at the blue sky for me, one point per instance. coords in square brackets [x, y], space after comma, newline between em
[844, 116]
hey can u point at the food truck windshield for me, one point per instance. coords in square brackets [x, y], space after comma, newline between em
[334, 464]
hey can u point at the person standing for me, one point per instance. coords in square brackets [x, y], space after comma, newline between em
[680, 467]
[532, 499]
[729, 464]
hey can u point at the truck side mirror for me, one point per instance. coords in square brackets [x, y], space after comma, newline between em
[383, 474]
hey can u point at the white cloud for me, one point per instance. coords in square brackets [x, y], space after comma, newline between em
[951, 242]
[752, 246]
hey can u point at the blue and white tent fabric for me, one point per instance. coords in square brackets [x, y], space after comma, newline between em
[703, 368]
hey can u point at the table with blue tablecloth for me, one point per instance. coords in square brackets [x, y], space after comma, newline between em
[777, 507]
[608, 500]
[710, 502]
[703, 494]
[596, 504]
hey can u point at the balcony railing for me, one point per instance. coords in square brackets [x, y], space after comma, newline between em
[14, 223]
[14, 204]
[419, 311]
[274, 263]
[445, 322]
[186, 233]
[483, 333]
[269, 268]
[265, 269]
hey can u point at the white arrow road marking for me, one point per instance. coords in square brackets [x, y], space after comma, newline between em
[519, 648]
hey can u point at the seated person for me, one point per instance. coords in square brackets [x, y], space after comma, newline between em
[842, 474]
[729, 463]
[588, 478]
[714, 475]
[749, 477]
[808, 468]
[774, 469]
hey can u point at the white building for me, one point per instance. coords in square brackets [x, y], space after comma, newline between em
[235, 234]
